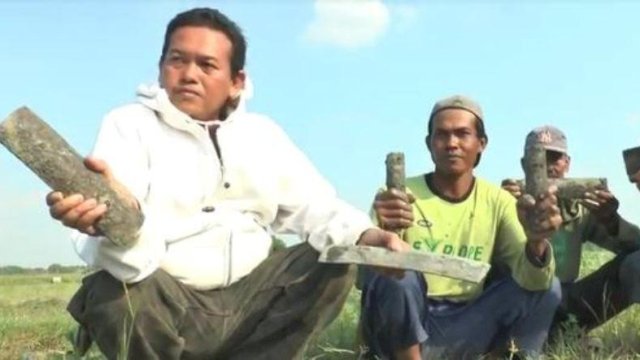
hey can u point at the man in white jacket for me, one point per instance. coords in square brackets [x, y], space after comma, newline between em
[211, 180]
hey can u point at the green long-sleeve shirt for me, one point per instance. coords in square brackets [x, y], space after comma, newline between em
[579, 226]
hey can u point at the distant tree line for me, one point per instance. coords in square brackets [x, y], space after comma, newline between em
[51, 269]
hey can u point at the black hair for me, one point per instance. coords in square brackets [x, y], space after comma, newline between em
[214, 20]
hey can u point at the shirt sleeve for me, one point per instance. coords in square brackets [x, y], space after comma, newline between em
[627, 238]
[119, 144]
[308, 205]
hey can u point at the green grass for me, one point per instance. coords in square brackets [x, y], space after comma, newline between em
[621, 335]
[32, 314]
[34, 323]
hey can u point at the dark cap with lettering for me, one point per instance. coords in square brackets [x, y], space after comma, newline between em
[549, 137]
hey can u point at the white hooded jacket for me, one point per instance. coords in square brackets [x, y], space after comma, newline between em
[207, 216]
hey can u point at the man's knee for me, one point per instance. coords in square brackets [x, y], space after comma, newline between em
[312, 284]
[106, 306]
[510, 294]
[337, 278]
[297, 263]
[553, 296]
[389, 292]
[549, 299]
[630, 267]
[99, 293]
[629, 275]
[102, 296]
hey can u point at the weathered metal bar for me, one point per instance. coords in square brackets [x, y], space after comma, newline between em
[573, 188]
[50, 157]
[443, 265]
[535, 169]
[395, 175]
[631, 158]
[438, 264]
[395, 171]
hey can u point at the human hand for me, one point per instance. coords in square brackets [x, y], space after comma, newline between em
[602, 204]
[76, 212]
[393, 208]
[388, 240]
[540, 218]
[512, 187]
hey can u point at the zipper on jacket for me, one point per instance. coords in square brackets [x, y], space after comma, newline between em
[230, 259]
[213, 134]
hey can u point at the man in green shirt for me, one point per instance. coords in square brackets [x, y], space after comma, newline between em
[613, 287]
[450, 211]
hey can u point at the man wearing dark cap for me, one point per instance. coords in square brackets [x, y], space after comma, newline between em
[451, 211]
[616, 285]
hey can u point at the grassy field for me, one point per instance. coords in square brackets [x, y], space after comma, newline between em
[35, 325]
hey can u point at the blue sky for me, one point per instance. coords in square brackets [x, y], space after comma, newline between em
[348, 80]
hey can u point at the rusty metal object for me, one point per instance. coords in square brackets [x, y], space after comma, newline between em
[535, 170]
[632, 161]
[438, 264]
[536, 181]
[395, 171]
[573, 188]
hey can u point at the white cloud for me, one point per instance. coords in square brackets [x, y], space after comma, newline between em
[348, 23]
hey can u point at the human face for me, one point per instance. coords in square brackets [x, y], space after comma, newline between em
[454, 142]
[557, 164]
[196, 72]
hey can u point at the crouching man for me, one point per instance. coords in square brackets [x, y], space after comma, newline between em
[211, 179]
[451, 211]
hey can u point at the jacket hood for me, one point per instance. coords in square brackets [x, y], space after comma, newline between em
[154, 97]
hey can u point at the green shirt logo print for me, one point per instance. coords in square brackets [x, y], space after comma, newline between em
[432, 244]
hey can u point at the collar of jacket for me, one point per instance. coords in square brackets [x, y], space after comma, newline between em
[155, 98]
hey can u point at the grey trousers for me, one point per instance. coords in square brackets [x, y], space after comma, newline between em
[272, 313]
